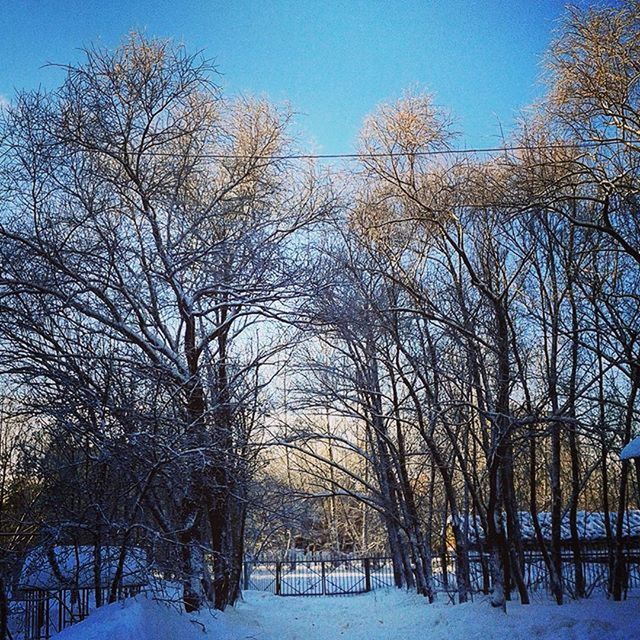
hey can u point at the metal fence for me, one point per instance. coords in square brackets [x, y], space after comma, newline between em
[318, 576]
[47, 612]
[344, 576]
[595, 562]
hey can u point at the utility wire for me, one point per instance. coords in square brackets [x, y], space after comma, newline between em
[382, 154]
[400, 154]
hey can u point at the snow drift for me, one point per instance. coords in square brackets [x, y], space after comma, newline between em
[382, 615]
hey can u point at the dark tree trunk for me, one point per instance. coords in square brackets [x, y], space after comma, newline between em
[573, 449]
[619, 563]
[555, 580]
[516, 553]
[97, 570]
[4, 609]
[573, 515]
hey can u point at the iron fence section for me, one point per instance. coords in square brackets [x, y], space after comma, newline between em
[47, 612]
[328, 575]
[325, 576]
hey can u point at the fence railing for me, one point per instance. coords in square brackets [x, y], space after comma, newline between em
[595, 564]
[318, 577]
[47, 612]
[347, 575]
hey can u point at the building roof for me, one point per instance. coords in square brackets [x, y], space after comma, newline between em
[591, 525]
[632, 450]
[76, 563]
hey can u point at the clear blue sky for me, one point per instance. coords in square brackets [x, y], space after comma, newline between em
[333, 60]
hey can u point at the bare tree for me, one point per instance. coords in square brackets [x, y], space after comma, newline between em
[149, 212]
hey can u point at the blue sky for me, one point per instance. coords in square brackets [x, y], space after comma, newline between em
[333, 60]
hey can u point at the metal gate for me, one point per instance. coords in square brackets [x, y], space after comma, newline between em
[318, 576]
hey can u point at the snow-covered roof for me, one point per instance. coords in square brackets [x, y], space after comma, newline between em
[76, 564]
[632, 450]
[591, 525]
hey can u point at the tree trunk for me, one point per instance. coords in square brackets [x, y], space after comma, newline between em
[619, 563]
[516, 553]
[555, 580]
[573, 449]
[4, 609]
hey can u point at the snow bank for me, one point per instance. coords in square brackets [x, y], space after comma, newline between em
[396, 615]
[382, 615]
[142, 618]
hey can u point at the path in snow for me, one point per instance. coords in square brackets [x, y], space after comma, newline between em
[382, 615]
[395, 615]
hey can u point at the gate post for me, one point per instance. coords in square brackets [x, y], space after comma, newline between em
[367, 574]
[246, 574]
[278, 578]
[324, 584]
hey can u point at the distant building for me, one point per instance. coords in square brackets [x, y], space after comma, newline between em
[632, 450]
[591, 528]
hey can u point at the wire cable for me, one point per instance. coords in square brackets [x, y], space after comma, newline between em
[371, 155]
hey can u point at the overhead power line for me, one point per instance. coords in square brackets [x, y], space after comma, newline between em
[400, 154]
[372, 155]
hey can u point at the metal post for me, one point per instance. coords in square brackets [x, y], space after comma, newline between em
[278, 578]
[324, 586]
[367, 574]
[246, 574]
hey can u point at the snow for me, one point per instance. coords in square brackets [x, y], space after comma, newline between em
[76, 564]
[632, 450]
[591, 525]
[142, 618]
[383, 615]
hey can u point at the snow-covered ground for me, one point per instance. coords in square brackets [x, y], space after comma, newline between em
[382, 615]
